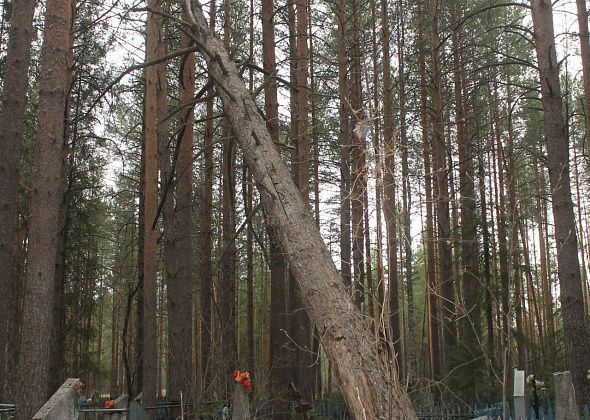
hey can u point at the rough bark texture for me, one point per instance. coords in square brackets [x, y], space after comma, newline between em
[227, 283]
[149, 349]
[344, 141]
[207, 234]
[433, 324]
[357, 161]
[179, 300]
[280, 366]
[14, 97]
[56, 356]
[471, 286]
[410, 356]
[571, 296]
[389, 203]
[441, 190]
[301, 323]
[345, 335]
[376, 135]
[501, 220]
[585, 54]
[46, 196]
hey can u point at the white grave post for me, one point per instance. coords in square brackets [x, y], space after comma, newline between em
[519, 396]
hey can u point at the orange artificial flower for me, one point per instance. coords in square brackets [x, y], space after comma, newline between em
[240, 376]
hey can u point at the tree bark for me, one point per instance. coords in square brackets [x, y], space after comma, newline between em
[376, 135]
[227, 283]
[149, 350]
[300, 165]
[585, 55]
[389, 204]
[434, 322]
[441, 191]
[280, 367]
[14, 100]
[344, 141]
[178, 224]
[406, 190]
[344, 334]
[206, 286]
[46, 196]
[571, 295]
[471, 323]
[358, 158]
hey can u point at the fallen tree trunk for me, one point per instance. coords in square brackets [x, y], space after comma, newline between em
[366, 380]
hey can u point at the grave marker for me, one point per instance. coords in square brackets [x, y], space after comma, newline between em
[519, 395]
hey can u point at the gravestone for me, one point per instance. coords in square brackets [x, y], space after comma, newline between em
[565, 397]
[62, 405]
[519, 395]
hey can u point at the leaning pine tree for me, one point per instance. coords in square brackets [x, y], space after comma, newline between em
[368, 385]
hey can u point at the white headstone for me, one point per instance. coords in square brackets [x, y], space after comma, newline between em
[519, 395]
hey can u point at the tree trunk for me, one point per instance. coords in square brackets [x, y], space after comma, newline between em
[389, 205]
[178, 225]
[376, 136]
[46, 196]
[441, 172]
[56, 356]
[206, 268]
[169, 251]
[571, 296]
[471, 287]
[501, 222]
[358, 158]
[227, 284]
[406, 190]
[585, 55]
[344, 334]
[301, 323]
[14, 100]
[344, 141]
[149, 349]
[280, 367]
[248, 202]
[433, 324]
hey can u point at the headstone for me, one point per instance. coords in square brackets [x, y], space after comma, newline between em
[519, 395]
[63, 404]
[565, 397]
[241, 405]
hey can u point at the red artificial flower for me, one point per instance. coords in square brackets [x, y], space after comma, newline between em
[109, 404]
[246, 386]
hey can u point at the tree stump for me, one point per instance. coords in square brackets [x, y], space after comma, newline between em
[565, 397]
[241, 405]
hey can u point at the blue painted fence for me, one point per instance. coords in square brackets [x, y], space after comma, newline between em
[494, 412]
